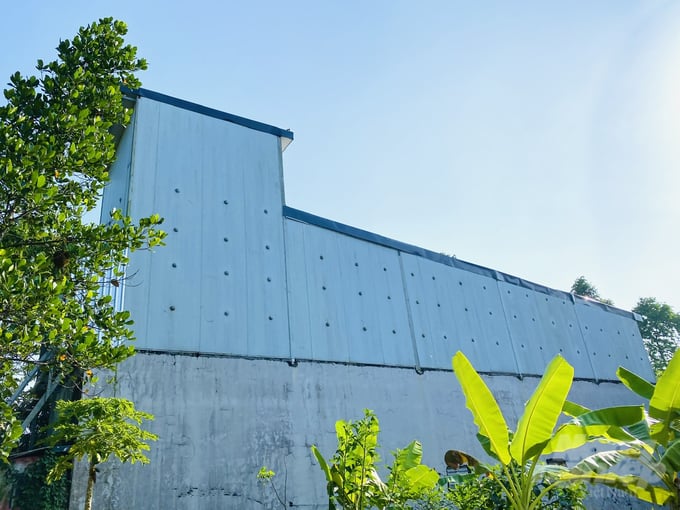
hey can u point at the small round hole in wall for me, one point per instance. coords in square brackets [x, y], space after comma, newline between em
[328, 324]
[174, 265]
[364, 328]
[389, 297]
[226, 202]
[226, 314]
[266, 246]
[361, 293]
[394, 331]
[323, 287]
[433, 278]
[271, 318]
[320, 257]
[269, 279]
[266, 211]
[356, 264]
[226, 273]
[172, 308]
[174, 229]
[176, 190]
[226, 239]
[417, 302]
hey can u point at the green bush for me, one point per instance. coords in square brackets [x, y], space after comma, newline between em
[29, 491]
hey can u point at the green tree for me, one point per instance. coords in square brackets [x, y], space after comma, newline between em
[582, 287]
[660, 330]
[98, 428]
[56, 148]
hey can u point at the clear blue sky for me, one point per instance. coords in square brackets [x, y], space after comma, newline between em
[537, 138]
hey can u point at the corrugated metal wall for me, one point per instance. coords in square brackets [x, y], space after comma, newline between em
[219, 284]
[241, 277]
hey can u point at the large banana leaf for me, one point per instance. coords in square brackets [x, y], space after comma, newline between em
[665, 402]
[536, 425]
[572, 409]
[422, 477]
[671, 457]
[409, 457]
[602, 461]
[635, 383]
[631, 484]
[484, 408]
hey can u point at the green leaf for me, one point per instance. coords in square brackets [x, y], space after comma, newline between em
[665, 402]
[410, 456]
[322, 463]
[635, 485]
[483, 406]
[541, 413]
[671, 457]
[635, 383]
[421, 477]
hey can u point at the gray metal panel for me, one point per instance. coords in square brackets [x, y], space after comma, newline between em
[455, 310]
[612, 341]
[218, 285]
[541, 327]
[346, 299]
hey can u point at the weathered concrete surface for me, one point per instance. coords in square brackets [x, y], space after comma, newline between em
[221, 419]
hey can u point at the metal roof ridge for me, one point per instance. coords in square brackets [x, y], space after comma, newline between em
[211, 112]
[365, 235]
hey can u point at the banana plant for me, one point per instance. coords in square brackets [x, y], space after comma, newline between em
[654, 441]
[519, 451]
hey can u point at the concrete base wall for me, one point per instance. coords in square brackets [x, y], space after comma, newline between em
[221, 419]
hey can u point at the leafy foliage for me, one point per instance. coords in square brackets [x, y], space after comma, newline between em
[482, 493]
[582, 287]
[56, 147]
[29, 489]
[536, 434]
[660, 330]
[351, 474]
[98, 428]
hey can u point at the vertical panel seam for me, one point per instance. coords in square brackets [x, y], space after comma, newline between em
[409, 315]
[539, 370]
[585, 345]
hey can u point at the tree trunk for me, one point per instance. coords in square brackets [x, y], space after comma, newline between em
[92, 477]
